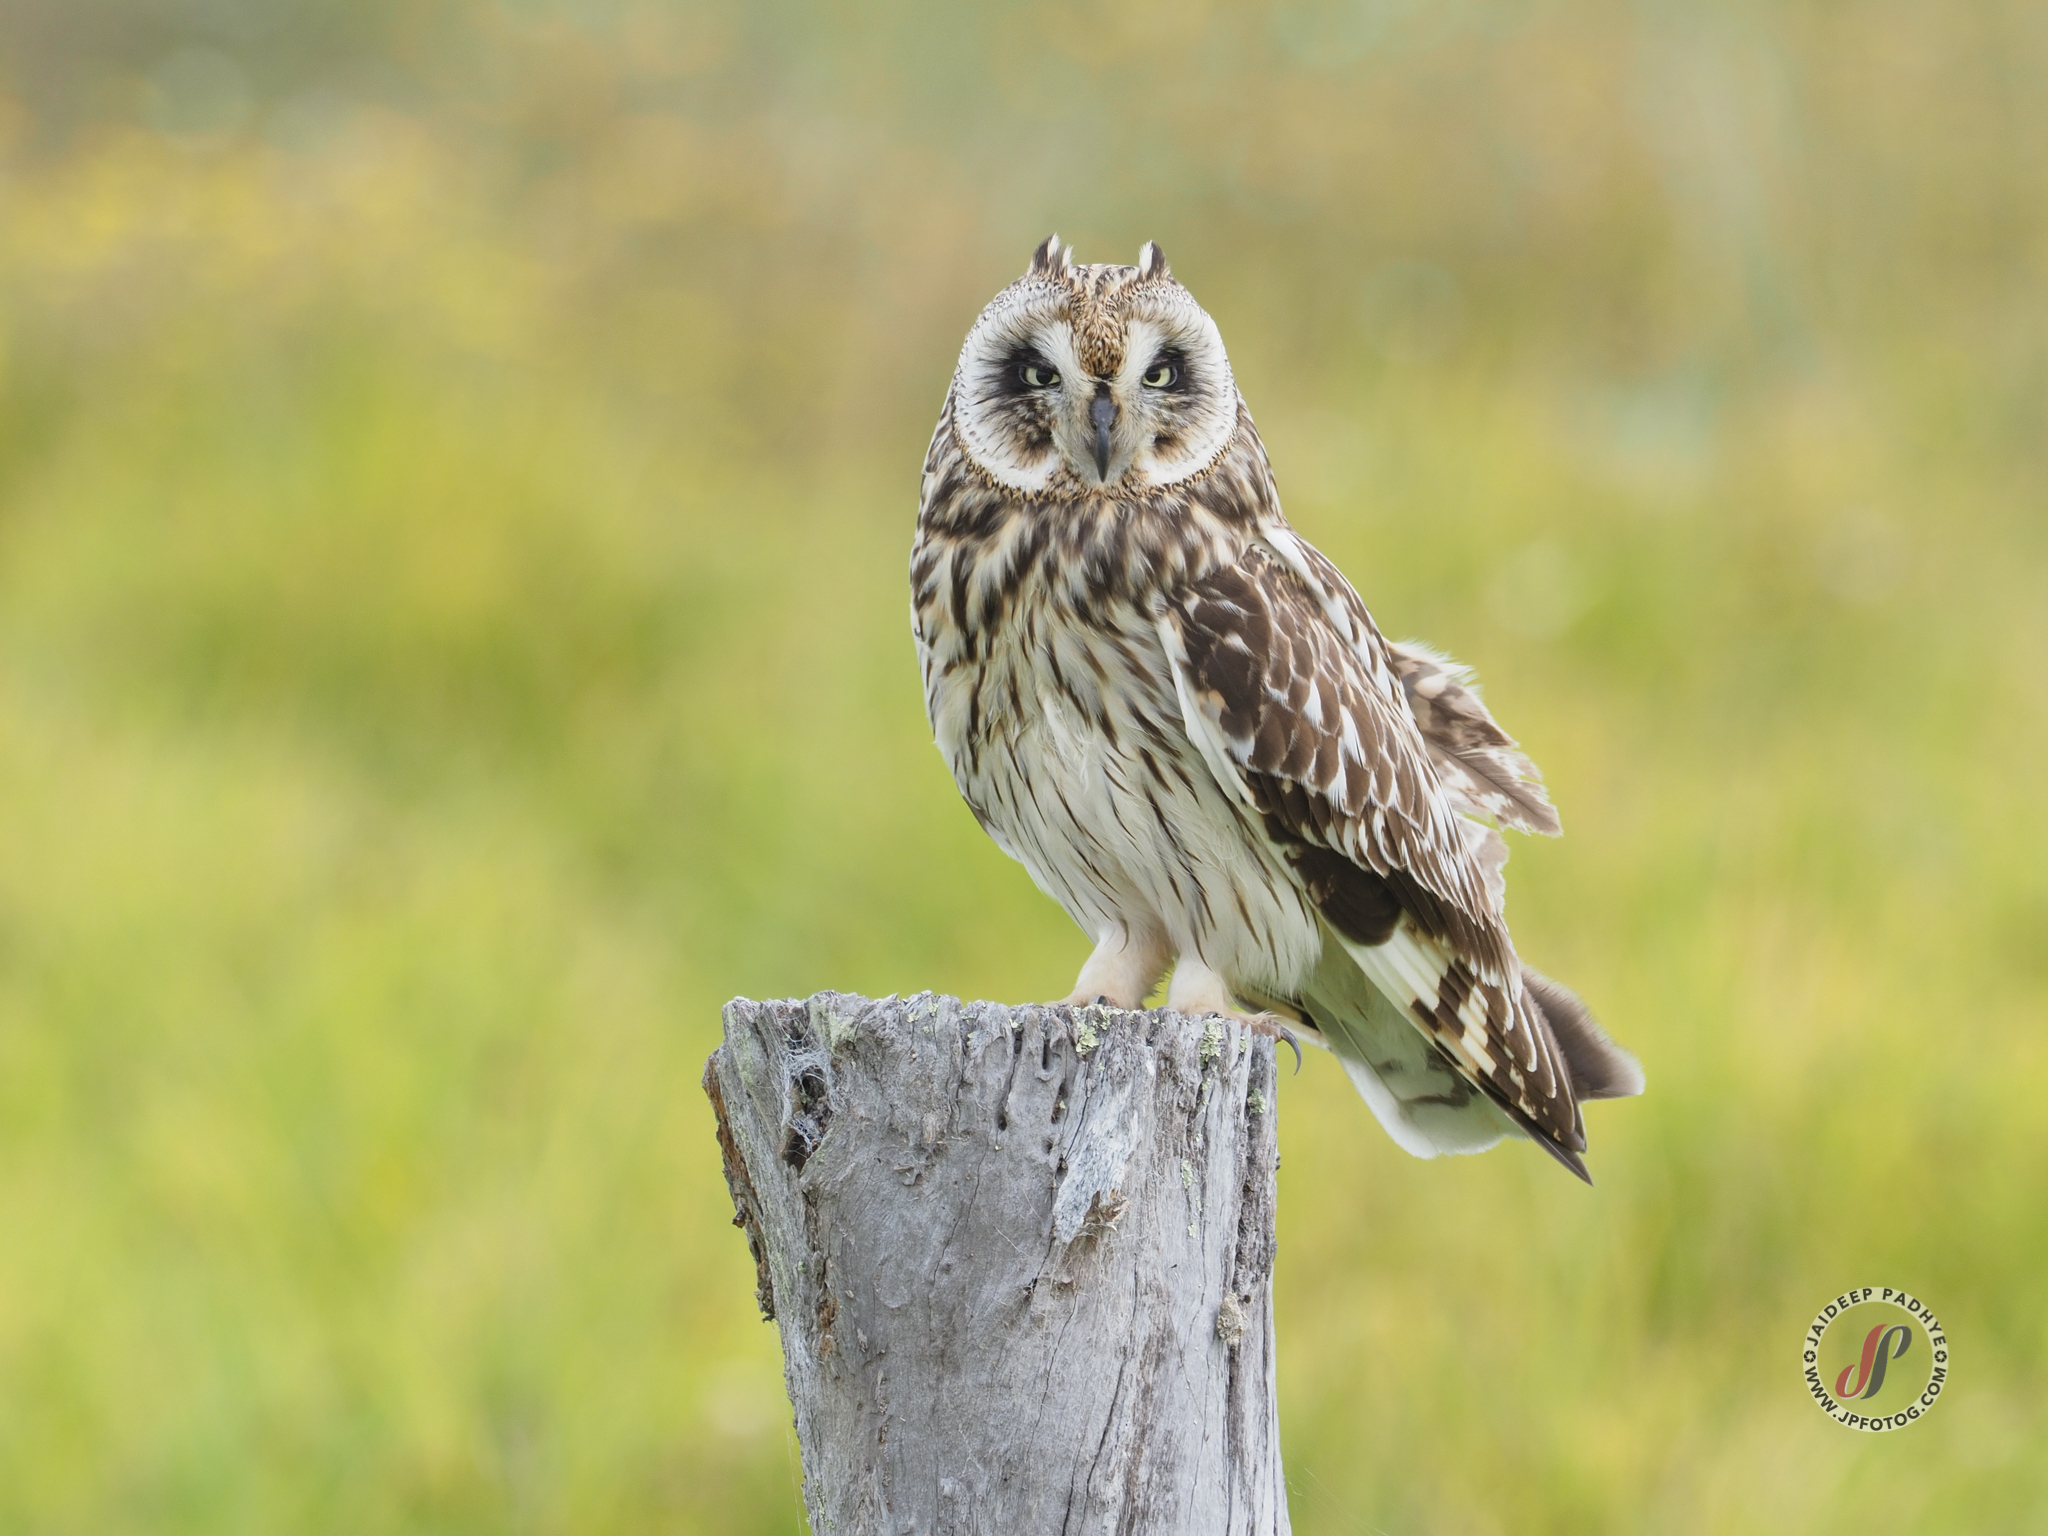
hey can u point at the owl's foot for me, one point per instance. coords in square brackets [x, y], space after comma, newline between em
[1269, 1026]
[1197, 991]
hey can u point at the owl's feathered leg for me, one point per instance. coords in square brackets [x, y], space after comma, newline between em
[1196, 989]
[1122, 970]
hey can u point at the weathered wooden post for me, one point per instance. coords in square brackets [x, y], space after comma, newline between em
[1021, 1260]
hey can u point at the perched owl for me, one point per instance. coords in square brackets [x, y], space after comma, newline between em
[1179, 717]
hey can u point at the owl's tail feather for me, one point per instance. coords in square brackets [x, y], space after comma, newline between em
[1419, 1098]
[1600, 1069]
[1414, 1092]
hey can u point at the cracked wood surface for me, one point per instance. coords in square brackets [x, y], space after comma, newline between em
[1020, 1258]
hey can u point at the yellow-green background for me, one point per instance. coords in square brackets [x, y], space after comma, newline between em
[456, 471]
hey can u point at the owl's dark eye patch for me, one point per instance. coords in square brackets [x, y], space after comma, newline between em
[1025, 371]
[1167, 372]
[1019, 397]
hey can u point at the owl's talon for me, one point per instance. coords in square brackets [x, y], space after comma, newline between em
[1265, 1024]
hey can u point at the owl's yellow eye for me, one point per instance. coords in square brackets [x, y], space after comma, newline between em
[1161, 376]
[1038, 376]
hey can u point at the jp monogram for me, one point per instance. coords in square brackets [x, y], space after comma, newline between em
[1875, 1358]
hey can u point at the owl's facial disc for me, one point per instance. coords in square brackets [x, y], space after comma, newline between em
[1094, 378]
[1176, 389]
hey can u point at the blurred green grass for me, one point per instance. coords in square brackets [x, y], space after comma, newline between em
[456, 471]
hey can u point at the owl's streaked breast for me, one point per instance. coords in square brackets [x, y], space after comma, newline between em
[1052, 699]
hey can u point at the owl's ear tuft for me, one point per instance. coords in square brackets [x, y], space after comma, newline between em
[1152, 261]
[1046, 258]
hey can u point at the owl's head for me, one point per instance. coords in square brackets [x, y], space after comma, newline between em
[1093, 377]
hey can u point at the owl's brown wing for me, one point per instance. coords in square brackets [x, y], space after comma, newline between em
[1303, 721]
[1483, 768]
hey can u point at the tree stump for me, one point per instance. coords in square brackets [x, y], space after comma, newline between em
[1020, 1258]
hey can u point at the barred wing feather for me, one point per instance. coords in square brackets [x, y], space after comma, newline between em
[1483, 768]
[1319, 748]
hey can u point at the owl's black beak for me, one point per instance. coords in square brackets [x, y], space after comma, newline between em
[1102, 414]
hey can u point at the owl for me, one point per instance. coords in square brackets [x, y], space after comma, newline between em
[1180, 718]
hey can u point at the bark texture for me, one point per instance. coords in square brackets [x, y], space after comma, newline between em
[1021, 1261]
